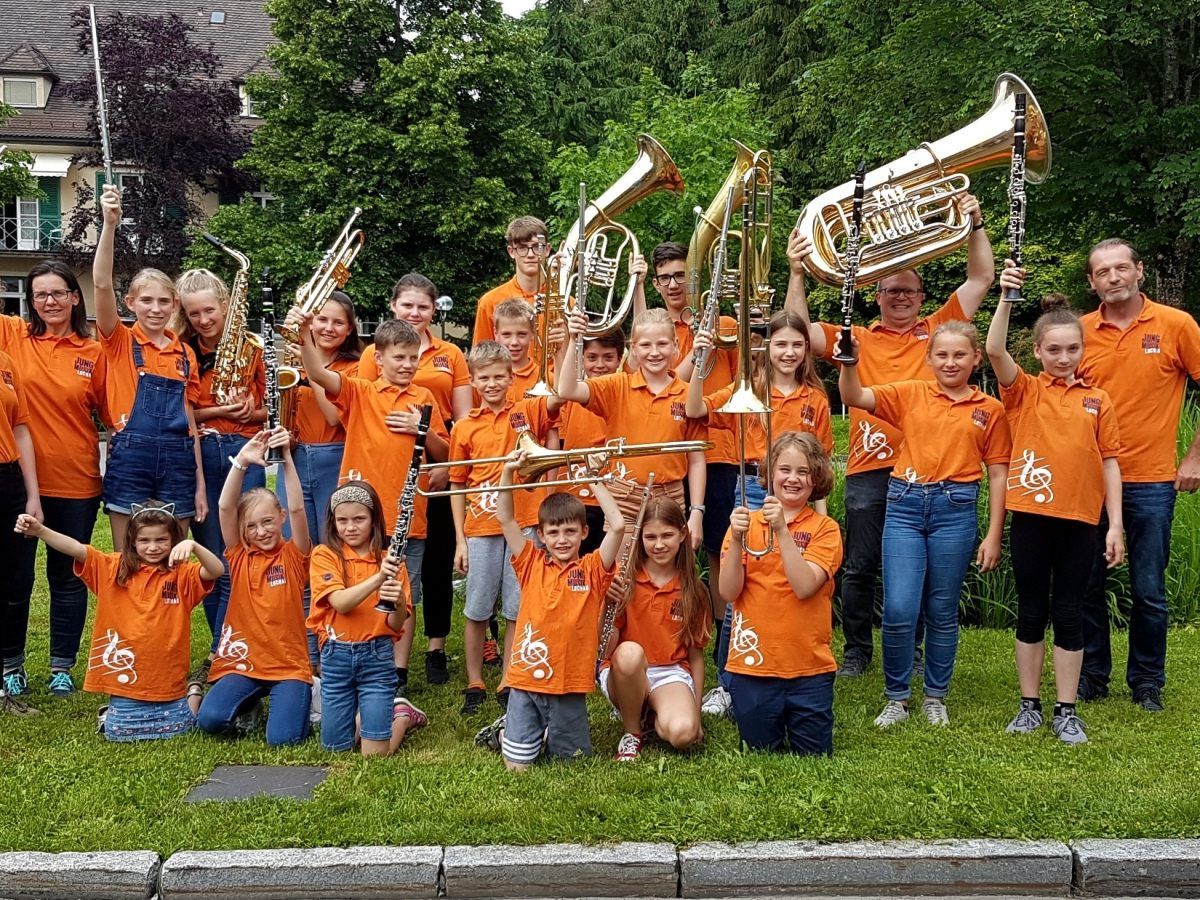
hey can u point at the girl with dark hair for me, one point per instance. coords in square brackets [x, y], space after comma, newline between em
[62, 376]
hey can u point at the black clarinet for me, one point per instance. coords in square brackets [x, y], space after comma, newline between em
[1016, 193]
[270, 364]
[408, 497]
[853, 254]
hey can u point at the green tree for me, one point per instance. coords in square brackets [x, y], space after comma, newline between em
[15, 180]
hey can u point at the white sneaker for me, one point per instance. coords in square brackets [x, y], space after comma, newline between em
[314, 710]
[893, 713]
[717, 702]
[935, 711]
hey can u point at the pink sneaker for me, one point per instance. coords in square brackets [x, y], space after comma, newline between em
[402, 706]
[630, 748]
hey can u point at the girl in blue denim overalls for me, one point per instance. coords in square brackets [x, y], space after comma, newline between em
[151, 383]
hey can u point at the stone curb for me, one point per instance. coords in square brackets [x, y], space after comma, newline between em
[84, 876]
[359, 872]
[1162, 868]
[876, 868]
[562, 870]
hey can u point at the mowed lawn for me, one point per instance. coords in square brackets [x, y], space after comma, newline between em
[62, 787]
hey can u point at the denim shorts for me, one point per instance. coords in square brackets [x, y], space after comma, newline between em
[356, 677]
[141, 468]
[556, 722]
[490, 573]
[147, 720]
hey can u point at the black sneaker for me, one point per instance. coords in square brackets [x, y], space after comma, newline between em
[473, 700]
[854, 665]
[436, 670]
[1148, 697]
[401, 682]
[918, 669]
[491, 653]
[489, 735]
[502, 698]
[1090, 691]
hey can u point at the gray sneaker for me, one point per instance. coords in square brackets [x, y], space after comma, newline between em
[854, 665]
[934, 709]
[1069, 729]
[1027, 721]
[717, 702]
[893, 713]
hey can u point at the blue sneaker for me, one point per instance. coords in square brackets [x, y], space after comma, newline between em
[61, 684]
[16, 683]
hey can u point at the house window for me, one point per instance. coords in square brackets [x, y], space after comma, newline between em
[21, 92]
[249, 104]
[217, 17]
[12, 295]
[262, 197]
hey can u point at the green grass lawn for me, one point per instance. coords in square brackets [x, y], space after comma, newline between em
[62, 787]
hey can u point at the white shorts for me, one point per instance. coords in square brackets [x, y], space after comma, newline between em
[676, 673]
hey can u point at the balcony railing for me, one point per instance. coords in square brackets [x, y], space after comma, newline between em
[27, 234]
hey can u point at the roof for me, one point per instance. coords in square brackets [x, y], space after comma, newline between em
[36, 37]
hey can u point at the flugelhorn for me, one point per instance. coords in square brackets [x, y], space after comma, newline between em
[910, 215]
[331, 275]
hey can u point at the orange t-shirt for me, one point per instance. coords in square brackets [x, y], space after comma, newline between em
[120, 385]
[1144, 369]
[887, 356]
[626, 403]
[257, 390]
[804, 409]
[263, 636]
[654, 619]
[485, 309]
[142, 633]
[310, 424]
[63, 381]
[14, 410]
[776, 634]
[375, 454]
[724, 371]
[579, 428]
[364, 622]
[558, 627]
[955, 439]
[485, 434]
[1061, 432]
[441, 368]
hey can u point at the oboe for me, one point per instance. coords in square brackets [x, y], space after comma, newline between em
[853, 254]
[408, 496]
[1016, 193]
[610, 609]
[270, 364]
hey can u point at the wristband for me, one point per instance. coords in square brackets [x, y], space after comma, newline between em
[233, 461]
[696, 507]
[977, 227]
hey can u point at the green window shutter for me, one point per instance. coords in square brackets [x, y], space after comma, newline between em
[49, 211]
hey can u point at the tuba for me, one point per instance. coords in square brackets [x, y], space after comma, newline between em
[234, 365]
[331, 275]
[910, 216]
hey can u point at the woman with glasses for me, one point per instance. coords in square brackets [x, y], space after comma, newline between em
[62, 373]
[528, 247]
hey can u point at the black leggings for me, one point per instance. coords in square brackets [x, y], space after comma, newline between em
[1051, 559]
[17, 554]
[437, 568]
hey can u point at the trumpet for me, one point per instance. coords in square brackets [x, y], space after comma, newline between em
[331, 275]
[539, 461]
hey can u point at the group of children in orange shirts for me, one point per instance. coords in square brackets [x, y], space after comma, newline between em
[550, 558]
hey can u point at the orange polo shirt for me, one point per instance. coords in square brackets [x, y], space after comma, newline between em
[1061, 433]
[142, 633]
[776, 634]
[633, 411]
[122, 375]
[654, 619]
[441, 368]
[724, 371]
[13, 409]
[580, 428]
[953, 439]
[485, 309]
[1144, 369]
[263, 636]
[558, 627]
[257, 389]
[364, 622]
[485, 434]
[63, 381]
[524, 378]
[310, 424]
[887, 356]
[805, 409]
[375, 454]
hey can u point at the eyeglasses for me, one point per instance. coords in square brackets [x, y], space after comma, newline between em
[59, 296]
[901, 292]
[535, 249]
[670, 278]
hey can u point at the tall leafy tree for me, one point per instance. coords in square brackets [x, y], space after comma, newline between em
[15, 179]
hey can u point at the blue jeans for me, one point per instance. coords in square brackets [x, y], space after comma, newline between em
[68, 595]
[287, 714]
[1147, 509]
[356, 677]
[785, 714]
[215, 450]
[929, 534]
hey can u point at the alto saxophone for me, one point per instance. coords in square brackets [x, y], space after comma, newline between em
[234, 365]
[408, 497]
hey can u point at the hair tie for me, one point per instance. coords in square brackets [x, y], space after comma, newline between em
[351, 493]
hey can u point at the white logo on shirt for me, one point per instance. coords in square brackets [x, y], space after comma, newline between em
[743, 642]
[874, 442]
[117, 660]
[1031, 478]
[234, 650]
[532, 655]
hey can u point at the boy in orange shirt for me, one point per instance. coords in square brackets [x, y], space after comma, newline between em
[527, 244]
[552, 668]
[491, 430]
[514, 331]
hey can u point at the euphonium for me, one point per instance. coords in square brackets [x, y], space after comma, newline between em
[234, 364]
[910, 215]
[331, 275]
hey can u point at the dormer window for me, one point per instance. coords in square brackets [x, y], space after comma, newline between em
[216, 17]
[21, 92]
